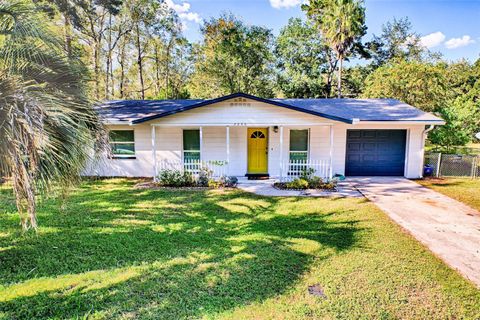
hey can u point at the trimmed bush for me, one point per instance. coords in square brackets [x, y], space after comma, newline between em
[297, 183]
[176, 178]
[179, 178]
[313, 183]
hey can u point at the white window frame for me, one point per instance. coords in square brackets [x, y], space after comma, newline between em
[124, 156]
[199, 151]
[308, 143]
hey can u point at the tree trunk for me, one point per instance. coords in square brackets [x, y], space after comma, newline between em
[121, 62]
[339, 80]
[139, 61]
[157, 71]
[109, 58]
[68, 35]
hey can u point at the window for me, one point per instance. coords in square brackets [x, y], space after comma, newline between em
[257, 135]
[191, 145]
[122, 143]
[299, 145]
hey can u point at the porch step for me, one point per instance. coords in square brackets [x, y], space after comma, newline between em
[245, 180]
[252, 176]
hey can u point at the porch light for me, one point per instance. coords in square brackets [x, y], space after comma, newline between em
[275, 129]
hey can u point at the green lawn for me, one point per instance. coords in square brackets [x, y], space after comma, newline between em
[123, 253]
[465, 190]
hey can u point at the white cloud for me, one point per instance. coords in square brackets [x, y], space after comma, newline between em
[433, 39]
[183, 11]
[459, 42]
[278, 4]
[190, 16]
[179, 8]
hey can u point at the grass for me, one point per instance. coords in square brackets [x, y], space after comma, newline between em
[465, 190]
[116, 252]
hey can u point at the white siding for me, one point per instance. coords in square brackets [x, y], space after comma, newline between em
[248, 114]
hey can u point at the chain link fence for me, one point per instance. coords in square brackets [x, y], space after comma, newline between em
[453, 165]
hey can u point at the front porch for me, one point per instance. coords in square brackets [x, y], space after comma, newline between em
[281, 152]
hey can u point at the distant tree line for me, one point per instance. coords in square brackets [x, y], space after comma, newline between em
[135, 49]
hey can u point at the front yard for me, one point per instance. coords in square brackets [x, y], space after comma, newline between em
[465, 190]
[118, 252]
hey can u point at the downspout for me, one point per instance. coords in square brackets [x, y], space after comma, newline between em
[424, 135]
[425, 132]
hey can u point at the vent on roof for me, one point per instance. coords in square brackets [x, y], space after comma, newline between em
[240, 102]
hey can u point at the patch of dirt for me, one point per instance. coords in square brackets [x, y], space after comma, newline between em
[317, 290]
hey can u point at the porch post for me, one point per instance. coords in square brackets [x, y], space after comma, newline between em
[201, 143]
[154, 154]
[331, 153]
[281, 152]
[228, 149]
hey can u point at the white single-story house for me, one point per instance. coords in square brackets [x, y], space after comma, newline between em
[244, 135]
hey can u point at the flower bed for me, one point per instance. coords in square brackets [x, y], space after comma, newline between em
[308, 181]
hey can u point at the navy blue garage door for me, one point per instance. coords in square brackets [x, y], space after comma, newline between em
[375, 152]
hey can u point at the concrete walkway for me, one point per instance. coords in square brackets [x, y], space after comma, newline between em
[449, 228]
[265, 188]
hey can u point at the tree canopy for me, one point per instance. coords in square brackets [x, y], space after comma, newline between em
[234, 57]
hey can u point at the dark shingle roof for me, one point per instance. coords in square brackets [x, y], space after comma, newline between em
[133, 110]
[344, 110]
[363, 109]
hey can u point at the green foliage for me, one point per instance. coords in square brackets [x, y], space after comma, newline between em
[307, 173]
[297, 183]
[308, 181]
[234, 57]
[461, 124]
[342, 25]
[48, 126]
[422, 85]
[315, 183]
[204, 176]
[354, 81]
[176, 178]
[303, 61]
[396, 42]
[228, 181]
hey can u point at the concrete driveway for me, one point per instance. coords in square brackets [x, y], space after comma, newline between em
[447, 227]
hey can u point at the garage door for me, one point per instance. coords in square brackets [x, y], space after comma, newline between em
[375, 152]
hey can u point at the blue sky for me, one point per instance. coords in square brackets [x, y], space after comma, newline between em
[450, 27]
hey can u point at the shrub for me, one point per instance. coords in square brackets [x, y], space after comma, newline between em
[297, 183]
[315, 183]
[204, 176]
[307, 174]
[175, 178]
[330, 185]
[231, 182]
[228, 182]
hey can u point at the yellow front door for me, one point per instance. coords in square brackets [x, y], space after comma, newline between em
[257, 150]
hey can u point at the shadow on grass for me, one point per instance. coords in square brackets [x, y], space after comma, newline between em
[116, 252]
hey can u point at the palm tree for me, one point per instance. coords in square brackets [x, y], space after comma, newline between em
[47, 124]
[341, 23]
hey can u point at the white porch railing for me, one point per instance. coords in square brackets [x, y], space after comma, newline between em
[218, 168]
[295, 168]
